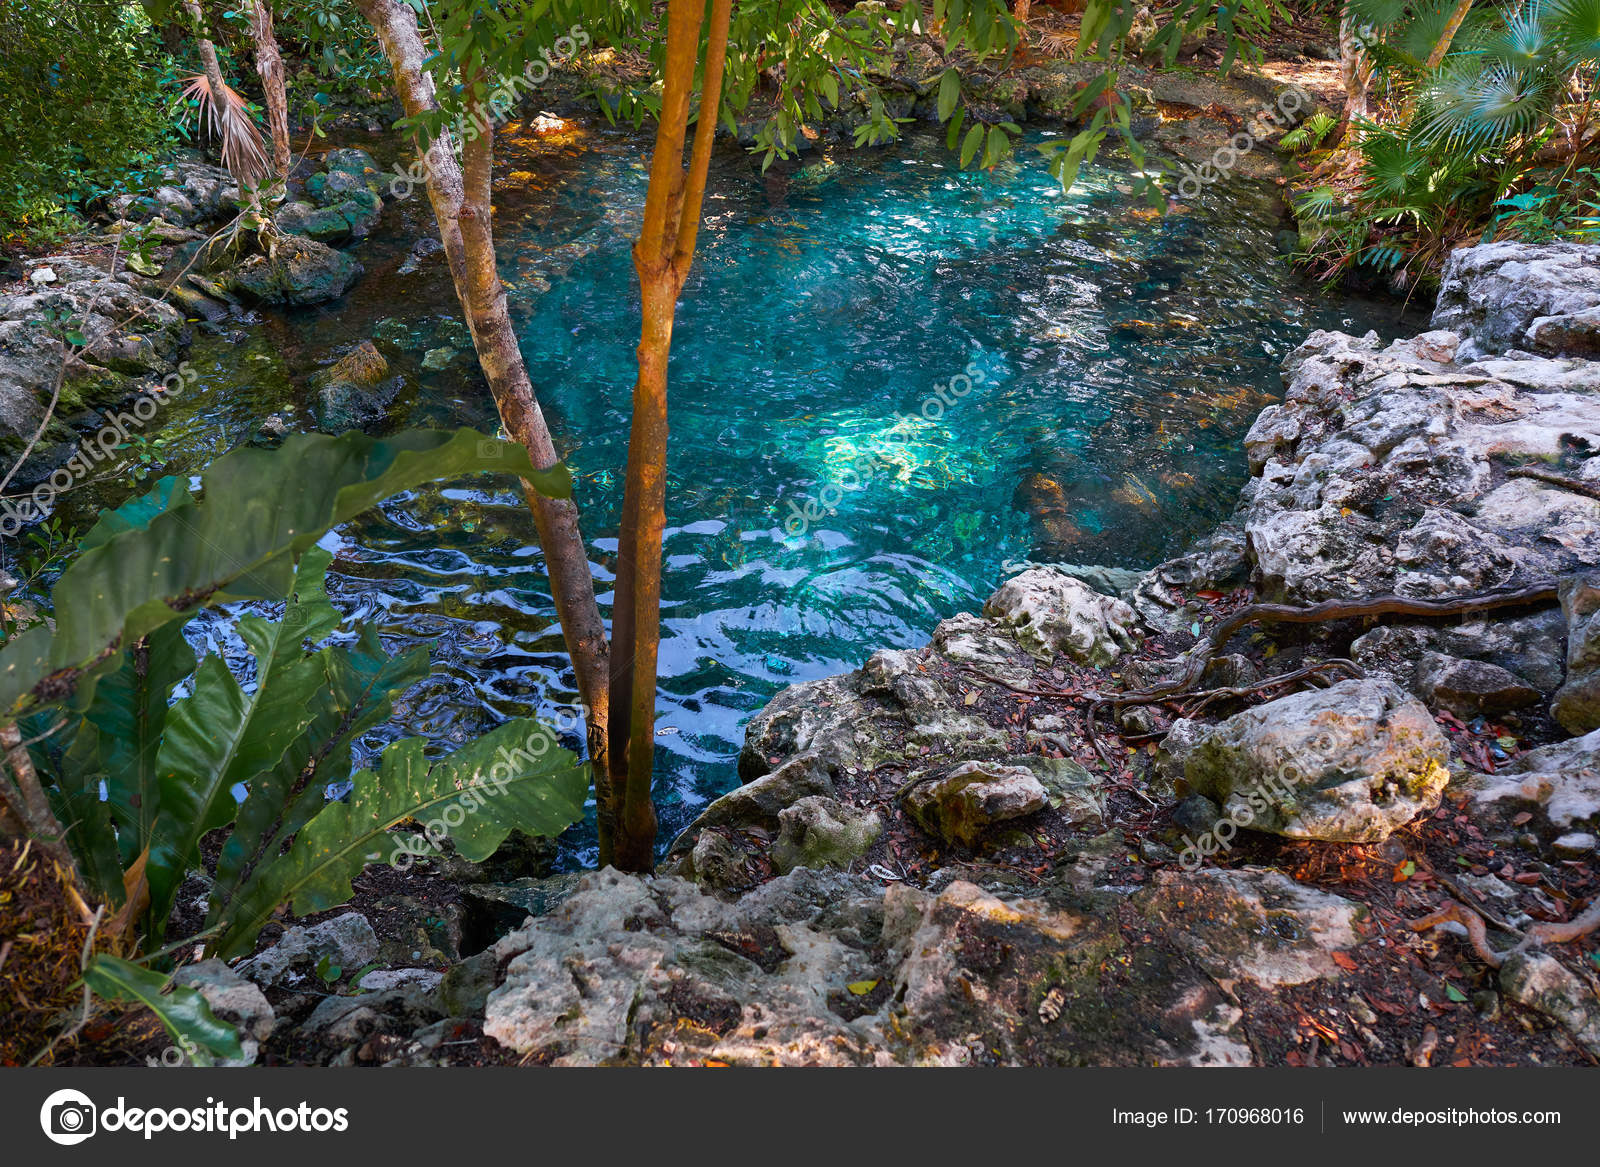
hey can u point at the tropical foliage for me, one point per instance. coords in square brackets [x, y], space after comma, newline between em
[1497, 140]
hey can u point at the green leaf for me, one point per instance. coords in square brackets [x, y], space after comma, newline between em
[182, 1010]
[514, 778]
[361, 682]
[949, 93]
[969, 145]
[1454, 993]
[861, 988]
[129, 709]
[260, 509]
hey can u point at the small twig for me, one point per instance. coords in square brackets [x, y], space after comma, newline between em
[1576, 486]
[1459, 913]
[1543, 933]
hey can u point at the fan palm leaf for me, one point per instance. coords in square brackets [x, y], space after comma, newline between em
[244, 151]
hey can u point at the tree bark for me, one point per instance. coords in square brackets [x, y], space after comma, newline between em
[1355, 69]
[1436, 57]
[460, 194]
[662, 257]
[269, 64]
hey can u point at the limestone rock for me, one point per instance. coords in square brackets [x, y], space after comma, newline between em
[1051, 613]
[819, 832]
[1538, 297]
[1472, 688]
[347, 941]
[1563, 779]
[1349, 763]
[299, 272]
[1577, 703]
[233, 999]
[1542, 983]
[963, 804]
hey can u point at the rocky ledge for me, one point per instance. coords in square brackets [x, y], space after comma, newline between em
[986, 851]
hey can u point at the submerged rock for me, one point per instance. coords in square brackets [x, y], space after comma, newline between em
[1350, 763]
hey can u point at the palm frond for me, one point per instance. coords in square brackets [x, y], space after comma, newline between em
[244, 151]
[1577, 23]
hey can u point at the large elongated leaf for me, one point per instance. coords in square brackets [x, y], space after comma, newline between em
[361, 682]
[222, 738]
[76, 800]
[129, 709]
[260, 509]
[182, 1010]
[515, 777]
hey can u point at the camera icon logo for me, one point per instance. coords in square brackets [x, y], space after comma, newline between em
[68, 1117]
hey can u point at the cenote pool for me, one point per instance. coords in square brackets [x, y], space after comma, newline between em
[1116, 358]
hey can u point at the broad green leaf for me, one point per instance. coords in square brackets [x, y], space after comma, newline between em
[361, 681]
[949, 93]
[129, 709]
[86, 817]
[221, 738]
[513, 778]
[259, 509]
[182, 1010]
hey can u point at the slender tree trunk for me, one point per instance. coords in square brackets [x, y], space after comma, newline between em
[1436, 57]
[1355, 69]
[662, 258]
[1021, 9]
[459, 192]
[208, 54]
[269, 64]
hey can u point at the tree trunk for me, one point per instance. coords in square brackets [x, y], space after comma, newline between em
[269, 64]
[1355, 69]
[461, 204]
[1020, 10]
[1436, 57]
[662, 257]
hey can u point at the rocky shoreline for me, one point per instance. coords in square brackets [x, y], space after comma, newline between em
[971, 854]
[928, 863]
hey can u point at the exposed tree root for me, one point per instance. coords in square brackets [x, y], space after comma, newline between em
[1542, 933]
[1561, 481]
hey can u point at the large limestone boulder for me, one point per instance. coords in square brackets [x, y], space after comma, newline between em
[962, 805]
[1542, 298]
[1577, 703]
[1051, 614]
[1350, 763]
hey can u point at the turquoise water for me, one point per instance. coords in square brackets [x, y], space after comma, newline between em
[1099, 366]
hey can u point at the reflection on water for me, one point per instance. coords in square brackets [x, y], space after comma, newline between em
[1115, 357]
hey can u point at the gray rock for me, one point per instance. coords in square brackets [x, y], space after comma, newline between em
[758, 803]
[380, 979]
[233, 999]
[819, 832]
[1051, 613]
[299, 272]
[717, 861]
[1563, 779]
[1350, 763]
[1472, 688]
[1577, 703]
[1539, 297]
[347, 941]
[962, 805]
[1575, 845]
[464, 990]
[1542, 983]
